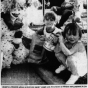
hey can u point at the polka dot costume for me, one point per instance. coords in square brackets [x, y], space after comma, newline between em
[20, 54]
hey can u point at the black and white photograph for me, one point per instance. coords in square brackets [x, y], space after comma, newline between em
[43, 42]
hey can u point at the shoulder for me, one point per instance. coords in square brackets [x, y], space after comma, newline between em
[80, 46]
[79, 43]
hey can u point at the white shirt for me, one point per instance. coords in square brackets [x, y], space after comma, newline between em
[48, 45]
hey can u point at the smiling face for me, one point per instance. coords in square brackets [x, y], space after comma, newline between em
[49, 20]
[72, 37]
[50, 26]
[72, 33]
[49, 23]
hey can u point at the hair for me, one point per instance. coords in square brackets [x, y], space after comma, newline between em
[73, 28]
[50, 16]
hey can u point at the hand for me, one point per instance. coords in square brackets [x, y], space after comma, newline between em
[67, 4]
[55, 39]
[42, 37]
[61, 39]
[58, 34]
[54, 8]
[48, 4]
[77, 19]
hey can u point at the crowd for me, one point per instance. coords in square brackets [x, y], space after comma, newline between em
[17, 38]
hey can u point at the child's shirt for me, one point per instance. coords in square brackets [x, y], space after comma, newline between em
[77, 62]
[49, 37]
[78, 47]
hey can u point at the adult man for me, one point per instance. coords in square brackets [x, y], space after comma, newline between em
[63, 8]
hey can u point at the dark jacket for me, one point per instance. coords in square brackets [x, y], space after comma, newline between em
[54, 2]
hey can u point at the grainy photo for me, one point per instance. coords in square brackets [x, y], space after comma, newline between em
[43, 42]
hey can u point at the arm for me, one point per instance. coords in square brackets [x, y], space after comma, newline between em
[40, 32]
[65, 50]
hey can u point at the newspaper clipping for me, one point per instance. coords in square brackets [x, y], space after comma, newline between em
[43, 43]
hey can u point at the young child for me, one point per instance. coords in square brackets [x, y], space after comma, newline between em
[73, 52]
[48, 32]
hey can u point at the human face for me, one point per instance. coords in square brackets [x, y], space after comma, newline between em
[49, 26]
[49, 23]
[72, 38]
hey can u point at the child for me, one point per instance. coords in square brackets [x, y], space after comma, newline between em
[47, 33]
[73, 52]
